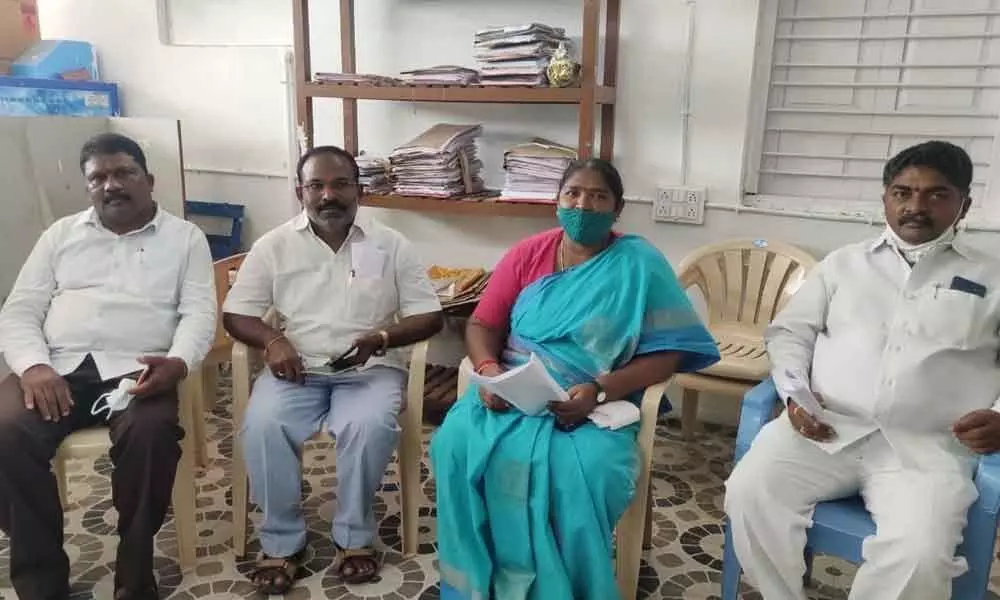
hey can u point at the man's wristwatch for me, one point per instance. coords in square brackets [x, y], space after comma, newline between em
[384, 336]
[602, 396]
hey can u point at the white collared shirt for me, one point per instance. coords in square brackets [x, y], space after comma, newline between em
[328, 299]
[896, 346]
[86, 290]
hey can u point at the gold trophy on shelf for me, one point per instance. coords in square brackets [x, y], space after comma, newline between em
[562, 70]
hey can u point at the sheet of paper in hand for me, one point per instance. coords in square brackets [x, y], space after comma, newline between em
[528, 388]
[367, 260]
[847, 429]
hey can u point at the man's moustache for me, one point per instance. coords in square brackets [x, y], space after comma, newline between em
[922, 221]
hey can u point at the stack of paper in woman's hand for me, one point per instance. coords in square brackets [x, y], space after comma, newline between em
[516, 55]
[534, 170]
[528, 387]
[441, 163]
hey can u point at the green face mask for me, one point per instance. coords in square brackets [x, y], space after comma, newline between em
[585, 227]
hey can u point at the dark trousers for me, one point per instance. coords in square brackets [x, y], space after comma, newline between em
[145, 450]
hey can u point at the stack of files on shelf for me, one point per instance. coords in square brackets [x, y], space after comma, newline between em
[439, 163]
[516, 55]
[440, 75]
[455, 286]
[375, 177]
[356, 79]
[534, 170]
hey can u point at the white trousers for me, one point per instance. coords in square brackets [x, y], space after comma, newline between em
[919, 515]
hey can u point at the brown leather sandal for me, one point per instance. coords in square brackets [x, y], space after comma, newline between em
[356, 565]
[276, 576]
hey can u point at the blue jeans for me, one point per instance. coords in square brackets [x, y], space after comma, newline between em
[359, 409]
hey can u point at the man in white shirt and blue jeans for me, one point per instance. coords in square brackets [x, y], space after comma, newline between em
[119, 288]
[899, 336]
[349, 288]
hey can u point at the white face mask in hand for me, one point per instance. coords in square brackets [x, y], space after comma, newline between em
[114, 401]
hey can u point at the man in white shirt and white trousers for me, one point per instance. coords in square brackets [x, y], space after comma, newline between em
[899, 335]
[106, 293]
[347, 288]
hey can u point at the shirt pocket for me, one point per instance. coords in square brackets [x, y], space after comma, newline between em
[951, 318]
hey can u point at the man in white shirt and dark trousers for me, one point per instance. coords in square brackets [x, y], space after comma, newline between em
[900, 336]
[106, 293]
[340, 283]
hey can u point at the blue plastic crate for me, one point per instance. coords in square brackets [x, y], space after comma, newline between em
[215, 217]
[27, 97]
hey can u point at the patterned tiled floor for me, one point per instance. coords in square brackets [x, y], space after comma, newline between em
[683, 564]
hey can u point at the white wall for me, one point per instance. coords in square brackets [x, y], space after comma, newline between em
[232, 108]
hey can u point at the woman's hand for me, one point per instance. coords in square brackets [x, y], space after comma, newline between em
[489, 399]
[582, 401]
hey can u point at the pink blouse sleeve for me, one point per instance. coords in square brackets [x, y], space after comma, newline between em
[501, 292]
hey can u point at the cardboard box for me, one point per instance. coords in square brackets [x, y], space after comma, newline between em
[18, 27]
[57, 59]
[21, 97]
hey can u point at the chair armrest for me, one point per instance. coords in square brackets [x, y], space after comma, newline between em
[244, 358]
[988, 483]
[756, 411]
[649, 411]
[415, 382]
[463, 376]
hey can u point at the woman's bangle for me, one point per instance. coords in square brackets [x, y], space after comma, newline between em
[485, 363]
[272, 341]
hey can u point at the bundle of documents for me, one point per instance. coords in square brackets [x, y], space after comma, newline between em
[355, 78]
[440, 163]
[516, 55]
[534, 170]
[440, 75]
[455, 286]
[528, 388]
[374, 174]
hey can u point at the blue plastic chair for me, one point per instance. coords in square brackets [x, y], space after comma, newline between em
[840, 526]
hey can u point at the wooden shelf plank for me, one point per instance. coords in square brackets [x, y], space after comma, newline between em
[487, 207]
[443, 93]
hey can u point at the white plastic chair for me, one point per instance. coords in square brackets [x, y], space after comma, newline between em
[94, 441]
[745, 283]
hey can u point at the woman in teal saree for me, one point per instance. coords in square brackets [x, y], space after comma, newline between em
[526, 505]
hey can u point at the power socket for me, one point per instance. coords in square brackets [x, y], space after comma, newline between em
[663, 206]
[680, 205]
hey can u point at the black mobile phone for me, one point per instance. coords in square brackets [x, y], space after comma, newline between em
[343, 361]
